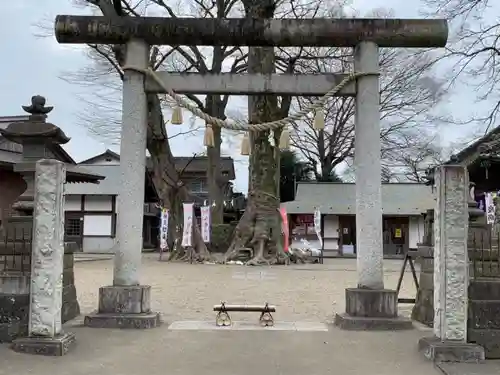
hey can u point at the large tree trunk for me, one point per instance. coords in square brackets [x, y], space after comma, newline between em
[170, 188]
[165, 177]
[259, 227]
[215, 108]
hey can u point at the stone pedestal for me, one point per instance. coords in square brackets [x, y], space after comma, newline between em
[368, 309]
[435, 349]
[45, 323]
[70, 308]
[124, 307]
[451, 270]
[57, 345]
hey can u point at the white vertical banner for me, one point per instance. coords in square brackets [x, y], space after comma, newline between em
[164, 229]
[205, 223]
[490, 208]
[317, 224]
[187, 234]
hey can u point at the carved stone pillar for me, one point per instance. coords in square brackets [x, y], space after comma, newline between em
[451, 270]
[45, 327]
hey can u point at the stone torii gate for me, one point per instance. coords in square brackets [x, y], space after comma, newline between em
[126, 302]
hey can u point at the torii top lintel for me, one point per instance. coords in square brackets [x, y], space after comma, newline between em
[321, 32]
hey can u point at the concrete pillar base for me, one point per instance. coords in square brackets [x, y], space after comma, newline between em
[434, 349]
[368, 309]
[49, 346]
[124, 307]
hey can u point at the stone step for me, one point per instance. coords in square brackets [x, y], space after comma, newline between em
[484, 269]
[489, 339]
[484, 289]
[423, 251]
[483, 255]
[484, 314]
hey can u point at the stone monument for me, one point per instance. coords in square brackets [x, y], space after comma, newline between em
[451, 270]
[45, 334]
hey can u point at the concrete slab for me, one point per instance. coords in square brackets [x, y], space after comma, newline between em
[89, 257]
[485, 368]
[254, 275]
[193, 325]
[182, 352]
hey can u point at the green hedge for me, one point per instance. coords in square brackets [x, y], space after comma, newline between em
[222, 234]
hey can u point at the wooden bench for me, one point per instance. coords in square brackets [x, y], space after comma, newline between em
[222, 318]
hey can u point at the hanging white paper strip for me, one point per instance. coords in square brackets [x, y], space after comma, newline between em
[317, 225]
[205, 223]
[164, 229]
[187, 234]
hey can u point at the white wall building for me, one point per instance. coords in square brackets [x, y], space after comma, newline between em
[403, 206]
[91, 209]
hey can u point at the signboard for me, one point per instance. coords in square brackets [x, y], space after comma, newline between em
[490, 208]
[397, 233]
[187, 233]
[205, 223]
[164, 229]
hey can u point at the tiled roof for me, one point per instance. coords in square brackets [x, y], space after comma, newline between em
[340, 198]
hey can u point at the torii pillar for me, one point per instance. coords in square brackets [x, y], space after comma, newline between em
[126, 303]
[370, 305]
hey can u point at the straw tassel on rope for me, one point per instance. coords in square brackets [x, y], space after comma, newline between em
[284, 139]
[208, 139]
[177, 116]
[319, 120]
[245, 144]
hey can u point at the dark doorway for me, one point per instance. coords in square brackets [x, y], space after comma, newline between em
[73, 229]
[347, 228]
[395, 235]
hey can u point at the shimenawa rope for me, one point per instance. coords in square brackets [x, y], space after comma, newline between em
[238, 125]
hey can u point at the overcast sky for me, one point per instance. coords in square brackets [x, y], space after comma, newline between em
[31, 65]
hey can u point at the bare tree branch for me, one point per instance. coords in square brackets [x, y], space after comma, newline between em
[473, 52]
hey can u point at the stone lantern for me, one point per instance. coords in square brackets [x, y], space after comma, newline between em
[38, 139]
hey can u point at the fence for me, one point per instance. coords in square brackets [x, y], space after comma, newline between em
[484, 253]
[15, 249]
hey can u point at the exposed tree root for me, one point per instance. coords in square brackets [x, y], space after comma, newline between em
[243, 234]
[258, 261]
[259, 232]
[259, 258]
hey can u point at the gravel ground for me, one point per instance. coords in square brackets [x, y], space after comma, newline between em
[182, 291]
[188, 292]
